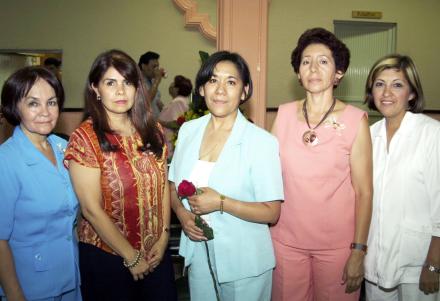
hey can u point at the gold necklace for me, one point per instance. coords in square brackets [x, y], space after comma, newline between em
[206, 153]
[310, 137]
[220, 142]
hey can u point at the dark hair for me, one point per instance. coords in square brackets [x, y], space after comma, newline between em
[18, 86]
[52, 61]
[207, 70]
[183, 85]
[147, 57]
[340, 52]
[407, 67]
[140, 114]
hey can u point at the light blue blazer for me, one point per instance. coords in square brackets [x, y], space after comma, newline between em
[248, 169]
[37, 215]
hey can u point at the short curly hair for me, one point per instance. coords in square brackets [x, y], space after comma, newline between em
[340, 52]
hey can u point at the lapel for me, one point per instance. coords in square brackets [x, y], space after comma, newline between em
[226, 157]
[31, 155]
[406, 128]
[190, 153]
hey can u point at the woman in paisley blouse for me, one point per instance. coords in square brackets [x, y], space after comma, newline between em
[117, 161]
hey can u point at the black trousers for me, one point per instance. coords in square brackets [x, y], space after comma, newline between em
[104, 278]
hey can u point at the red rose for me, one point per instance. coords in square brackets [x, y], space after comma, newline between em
[186, 189]
[180, 120]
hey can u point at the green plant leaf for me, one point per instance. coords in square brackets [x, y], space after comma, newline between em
[203, 56]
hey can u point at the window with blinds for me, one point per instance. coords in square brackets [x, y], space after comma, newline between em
[367, 41]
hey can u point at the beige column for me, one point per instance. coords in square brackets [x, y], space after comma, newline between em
[242, 28]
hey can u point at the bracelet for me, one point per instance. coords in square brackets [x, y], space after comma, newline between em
[222, 198]
[432, 268]
[361, 247]
[135, 261]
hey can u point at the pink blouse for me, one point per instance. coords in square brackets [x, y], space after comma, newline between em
[319, 207]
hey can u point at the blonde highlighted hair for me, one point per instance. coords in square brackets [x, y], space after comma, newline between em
[401, 63]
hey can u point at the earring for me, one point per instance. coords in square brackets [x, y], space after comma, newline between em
[98, 98]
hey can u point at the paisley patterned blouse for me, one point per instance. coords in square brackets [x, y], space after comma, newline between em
[132, 186]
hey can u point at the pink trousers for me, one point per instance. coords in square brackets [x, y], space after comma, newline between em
[309, 275]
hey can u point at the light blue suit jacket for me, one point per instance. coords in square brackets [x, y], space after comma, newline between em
[248, 169]
[38, 210]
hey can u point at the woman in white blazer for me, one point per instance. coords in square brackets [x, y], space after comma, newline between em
[403, 259]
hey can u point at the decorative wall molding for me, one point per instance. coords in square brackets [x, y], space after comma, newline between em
[194, 19]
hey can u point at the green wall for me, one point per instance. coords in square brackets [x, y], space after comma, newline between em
[82, 29]
[418, 23]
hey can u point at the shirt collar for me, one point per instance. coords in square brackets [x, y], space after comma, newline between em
[406, 126]
[31, 155]
[237, 129]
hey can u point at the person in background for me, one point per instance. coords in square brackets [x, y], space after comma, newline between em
[236, 167]
[54, 65]
[153, 74]
[403, 261]
[180, 90]
[117, 162]
[325, 149]
[38, 246]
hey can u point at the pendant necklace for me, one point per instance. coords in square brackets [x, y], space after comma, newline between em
[310, 137]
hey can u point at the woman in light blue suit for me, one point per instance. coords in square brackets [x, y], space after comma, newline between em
[38, 248]
[236, 167]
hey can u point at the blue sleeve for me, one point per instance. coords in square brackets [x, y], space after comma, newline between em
[266, 172]
[9, 192]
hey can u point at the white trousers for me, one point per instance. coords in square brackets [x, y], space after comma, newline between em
[201, 285]
[403, 292]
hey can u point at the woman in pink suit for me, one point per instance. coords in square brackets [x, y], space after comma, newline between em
[325, 148]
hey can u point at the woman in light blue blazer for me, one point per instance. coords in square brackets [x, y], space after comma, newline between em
[38, 248]
[236, 167]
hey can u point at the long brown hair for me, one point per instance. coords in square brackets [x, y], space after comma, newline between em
[140, 114]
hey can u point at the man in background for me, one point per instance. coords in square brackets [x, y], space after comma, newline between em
[153, 74]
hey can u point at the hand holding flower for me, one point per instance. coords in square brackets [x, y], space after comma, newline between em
[206, 201]
[187, 190]
[187, 220]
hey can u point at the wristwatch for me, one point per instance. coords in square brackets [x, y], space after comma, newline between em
[432, 268]
[357, 246]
